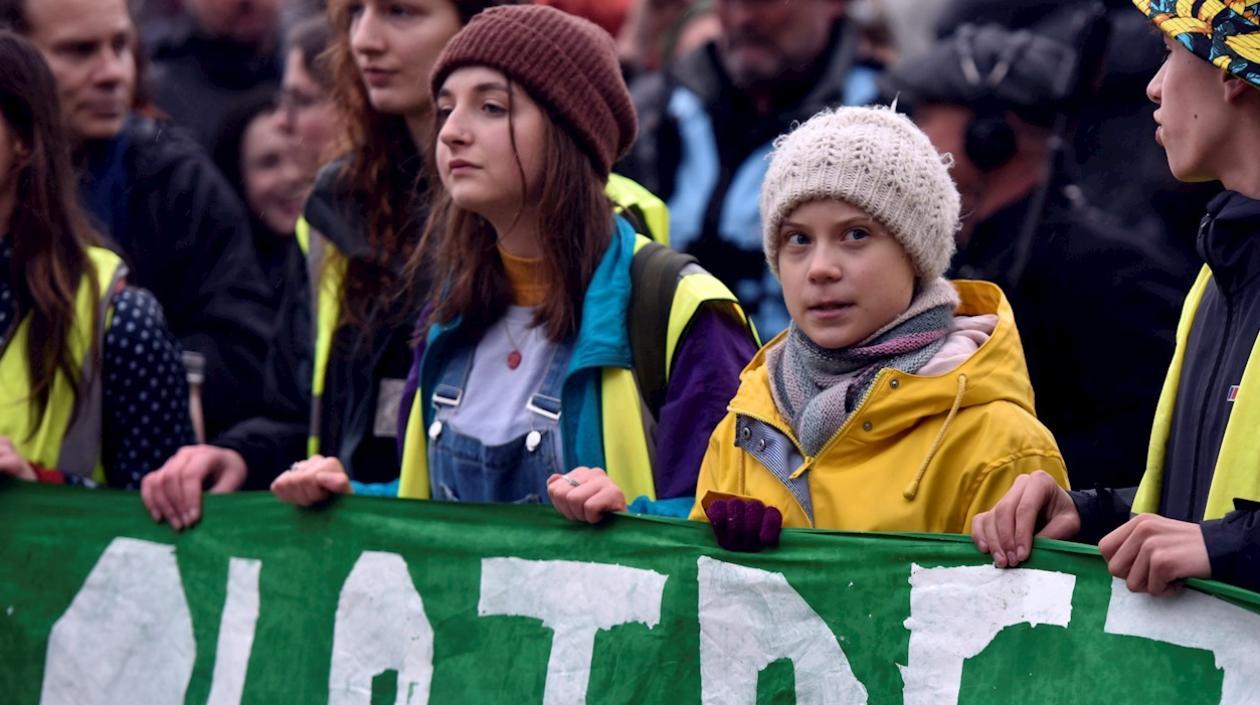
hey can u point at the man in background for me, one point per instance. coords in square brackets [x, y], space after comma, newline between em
[155, 196]
[707, 122]
[220, 50]
[1096, 303]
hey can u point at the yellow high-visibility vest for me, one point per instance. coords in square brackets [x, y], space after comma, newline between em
[1237, 473]
[68, 434]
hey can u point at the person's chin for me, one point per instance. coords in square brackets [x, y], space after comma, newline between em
[100, 128]
[391, 102]
[466, 198]
[382, 100]
[1187, 171]
[251, 30]
[281, 225]
[751, 66]
[830, 337]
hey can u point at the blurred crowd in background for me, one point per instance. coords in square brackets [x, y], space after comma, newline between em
[1068, 203]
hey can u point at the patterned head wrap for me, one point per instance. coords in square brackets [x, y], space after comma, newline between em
[1225, 33]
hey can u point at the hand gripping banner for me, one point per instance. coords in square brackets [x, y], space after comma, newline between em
[377, 601]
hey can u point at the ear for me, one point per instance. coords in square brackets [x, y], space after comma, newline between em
[1236, 89]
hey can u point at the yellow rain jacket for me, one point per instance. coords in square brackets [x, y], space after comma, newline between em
[918, 454]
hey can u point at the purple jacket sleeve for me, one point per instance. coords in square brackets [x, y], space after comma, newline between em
[704, 379]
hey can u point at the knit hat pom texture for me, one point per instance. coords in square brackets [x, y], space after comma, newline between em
[565, 62]
[875, 159]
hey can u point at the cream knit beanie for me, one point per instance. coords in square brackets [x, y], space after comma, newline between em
[873, 158]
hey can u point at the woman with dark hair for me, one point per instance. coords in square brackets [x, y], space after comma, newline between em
[258, 154]
[306, 93]
[360, 226]
[530, 383]
[92, 390]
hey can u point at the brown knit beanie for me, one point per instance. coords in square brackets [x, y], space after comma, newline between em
[566, 63]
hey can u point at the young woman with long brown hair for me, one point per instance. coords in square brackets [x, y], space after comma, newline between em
[360, 226]
[91, 384]
[528, 370]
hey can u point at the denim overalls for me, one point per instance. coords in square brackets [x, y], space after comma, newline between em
[462, 469]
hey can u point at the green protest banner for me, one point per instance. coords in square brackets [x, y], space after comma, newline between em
[372, 601]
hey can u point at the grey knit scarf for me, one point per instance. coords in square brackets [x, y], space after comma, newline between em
[816, 388]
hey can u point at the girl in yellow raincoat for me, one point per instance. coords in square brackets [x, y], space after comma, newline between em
[897, 400]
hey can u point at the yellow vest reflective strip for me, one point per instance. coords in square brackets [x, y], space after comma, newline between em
[68, 435]
[627, 458]
[332, 272]
[629, 195]
[696, 289]
[413, 483]
[1237, 473]
[302, 231]
[627, 455]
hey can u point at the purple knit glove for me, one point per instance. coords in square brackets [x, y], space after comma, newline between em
[745, 524]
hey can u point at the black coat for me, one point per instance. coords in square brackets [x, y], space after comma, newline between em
[1097, 309]
[357, 415]
[277, 436]
[186, 238]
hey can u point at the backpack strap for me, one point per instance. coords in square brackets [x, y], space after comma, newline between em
[654, 275]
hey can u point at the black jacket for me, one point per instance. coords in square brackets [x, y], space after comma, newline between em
[1226, 327]
[186, 238]
[357, 417]
[197, 79]
[1097, 308]
[277, 437]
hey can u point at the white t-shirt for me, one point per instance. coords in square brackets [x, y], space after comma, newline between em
[493, 407]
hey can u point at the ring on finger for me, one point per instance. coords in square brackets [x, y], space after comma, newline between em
[571, 481]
